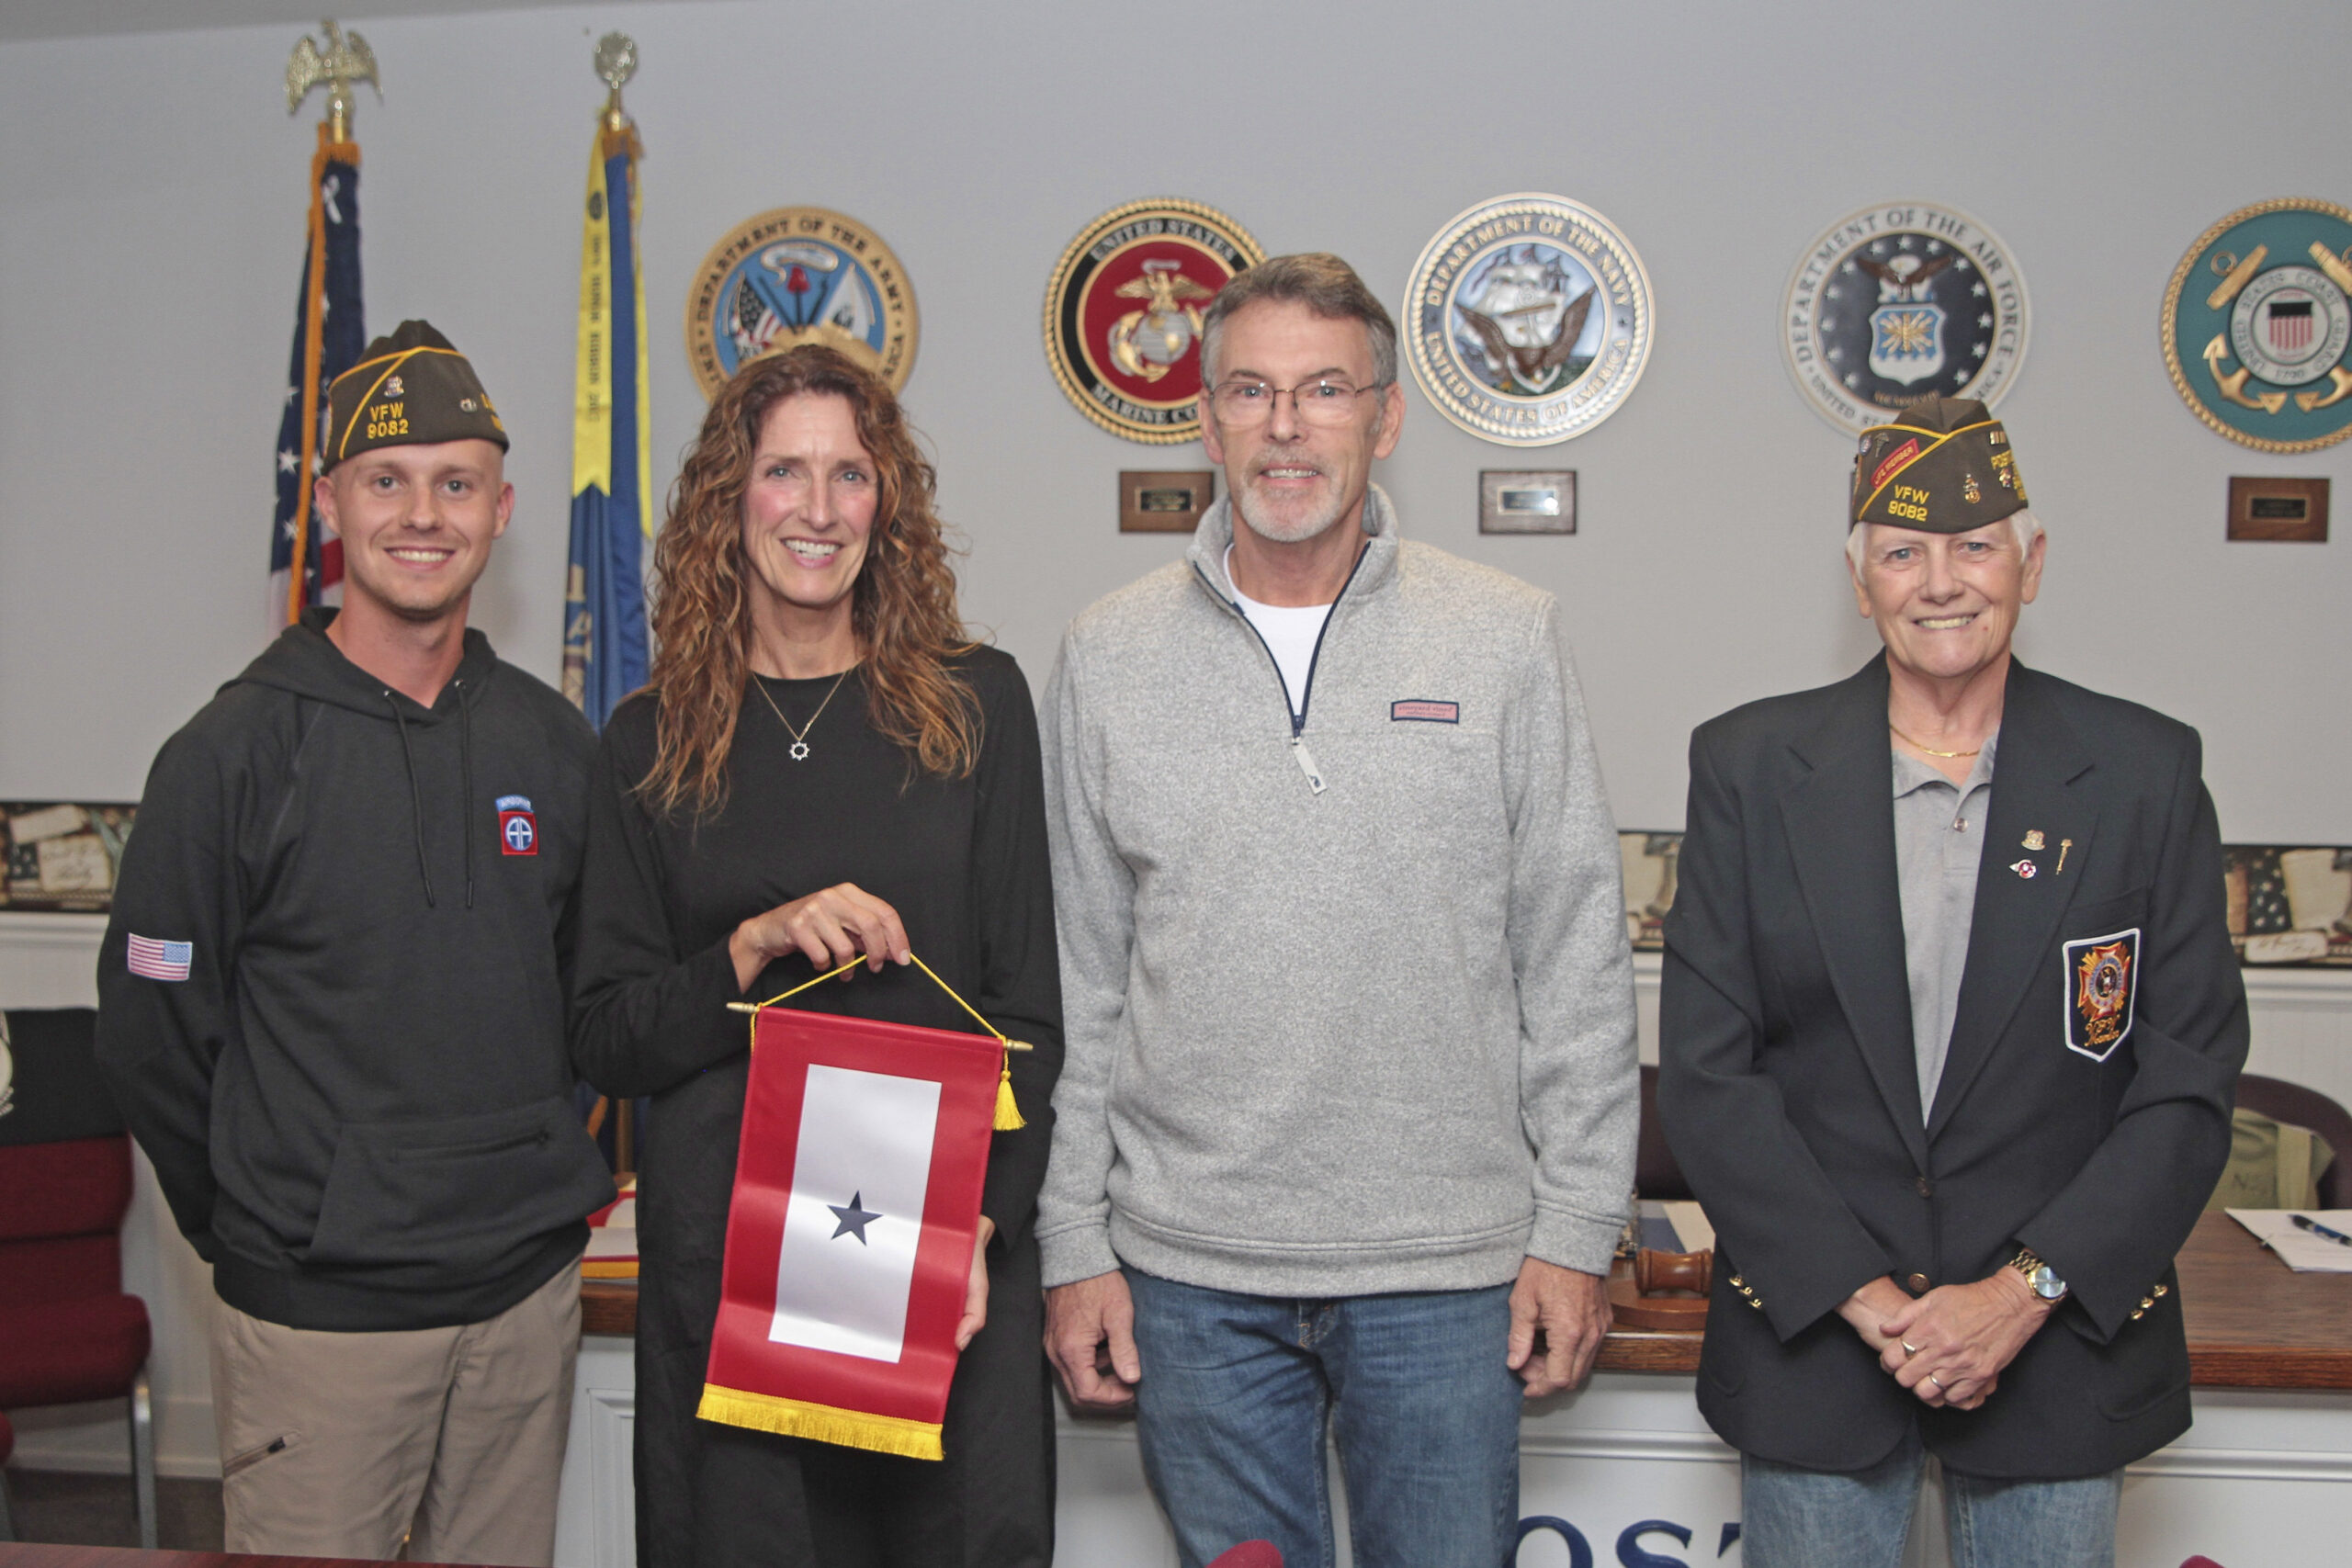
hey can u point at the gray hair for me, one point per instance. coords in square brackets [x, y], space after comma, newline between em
[2022, 523]
[1318, 280]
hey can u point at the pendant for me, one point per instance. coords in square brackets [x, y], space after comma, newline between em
[800, 749]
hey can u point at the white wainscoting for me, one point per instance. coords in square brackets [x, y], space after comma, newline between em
[2303, 1031]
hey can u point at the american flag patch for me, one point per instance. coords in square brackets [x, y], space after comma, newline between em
[160, 960]
[1428, 712]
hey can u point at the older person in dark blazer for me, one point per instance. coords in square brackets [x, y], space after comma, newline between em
[1946, 1055]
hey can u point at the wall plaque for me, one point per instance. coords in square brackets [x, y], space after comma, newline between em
[2279, 510]
[1527, 501]
[1164, 501]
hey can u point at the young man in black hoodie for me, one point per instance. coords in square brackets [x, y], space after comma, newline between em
[332, 1005]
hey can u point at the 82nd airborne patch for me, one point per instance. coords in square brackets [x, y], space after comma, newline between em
[2101, 978]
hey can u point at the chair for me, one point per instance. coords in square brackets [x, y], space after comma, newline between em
[2291, 1102]
[7, 1445]
[1656, 1173]
[68, 1334]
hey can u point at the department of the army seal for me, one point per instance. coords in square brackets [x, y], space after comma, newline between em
[1900, 303]
[1528, 319]
[2255, 325]
[800, 275]
[1122, 313]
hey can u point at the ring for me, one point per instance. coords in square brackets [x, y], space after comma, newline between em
[1909, 1349]
[1935, 1379]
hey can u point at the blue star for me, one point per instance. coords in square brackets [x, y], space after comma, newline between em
[854, 1217]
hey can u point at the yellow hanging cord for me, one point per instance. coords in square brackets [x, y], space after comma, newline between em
[1008, 1110]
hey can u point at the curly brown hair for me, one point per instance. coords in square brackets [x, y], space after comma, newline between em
[902, 606]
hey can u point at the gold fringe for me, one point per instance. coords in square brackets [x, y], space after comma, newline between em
[1008, 1110]
[821, 1423]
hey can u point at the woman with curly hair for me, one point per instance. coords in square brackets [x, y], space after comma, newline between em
[823, 766]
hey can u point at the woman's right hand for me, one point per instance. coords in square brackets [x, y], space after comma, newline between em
[831, 926]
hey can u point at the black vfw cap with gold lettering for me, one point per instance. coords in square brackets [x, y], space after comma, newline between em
[411, 389]
[1944, 466]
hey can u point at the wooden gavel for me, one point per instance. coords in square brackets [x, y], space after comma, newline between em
[1655, 1272]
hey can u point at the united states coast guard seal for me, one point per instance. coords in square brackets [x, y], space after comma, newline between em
[1122, 313]
[800, 275]
[1529, 318]
[2255, 325]
[1900, 303]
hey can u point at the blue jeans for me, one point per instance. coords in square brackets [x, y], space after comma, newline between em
[1793, 1518]
[1238, 1392]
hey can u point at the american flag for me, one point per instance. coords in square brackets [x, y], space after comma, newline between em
[331, 281]
[159, 960]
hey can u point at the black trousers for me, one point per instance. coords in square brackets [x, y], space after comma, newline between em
[716, 1496]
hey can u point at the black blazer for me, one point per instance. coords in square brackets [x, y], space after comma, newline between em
[1787, 1087]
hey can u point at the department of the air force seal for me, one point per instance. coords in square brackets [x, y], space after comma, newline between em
[1528, 319]
[800, 275]
[1122, 313]
[2255, 325]
[1897, 303]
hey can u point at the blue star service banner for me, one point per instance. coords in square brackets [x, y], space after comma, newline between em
[305, 563]
[612, 441]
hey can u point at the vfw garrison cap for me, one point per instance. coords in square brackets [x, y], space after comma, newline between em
[1944, 466]
[411, 389]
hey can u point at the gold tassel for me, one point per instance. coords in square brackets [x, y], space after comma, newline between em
[819, 1423]
[1008, 1110]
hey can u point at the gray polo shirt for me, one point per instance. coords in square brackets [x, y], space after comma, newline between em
[1939, 842]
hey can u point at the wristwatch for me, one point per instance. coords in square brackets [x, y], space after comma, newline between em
[2039, 1278]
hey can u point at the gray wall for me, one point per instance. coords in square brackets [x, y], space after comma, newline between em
[152, 201]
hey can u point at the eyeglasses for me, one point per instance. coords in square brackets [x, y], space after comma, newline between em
[1326, 401]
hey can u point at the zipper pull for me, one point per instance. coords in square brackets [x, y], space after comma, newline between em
[1306, 764]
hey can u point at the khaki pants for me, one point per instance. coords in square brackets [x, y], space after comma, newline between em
[344, 1445]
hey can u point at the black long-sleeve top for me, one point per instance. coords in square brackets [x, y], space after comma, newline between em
[963, 861]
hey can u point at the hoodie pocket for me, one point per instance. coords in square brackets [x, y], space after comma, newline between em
[458, 1192]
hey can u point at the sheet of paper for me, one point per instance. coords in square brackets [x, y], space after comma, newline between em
[2298, 1248]
[1690, 1226]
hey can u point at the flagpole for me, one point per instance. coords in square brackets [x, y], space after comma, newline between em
[344, 60]
[604, 651]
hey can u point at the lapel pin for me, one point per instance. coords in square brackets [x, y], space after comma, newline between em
[2026, 869]
[2033, 838]
[2063, 845]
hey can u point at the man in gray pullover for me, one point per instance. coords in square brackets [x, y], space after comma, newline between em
[1348, 1119]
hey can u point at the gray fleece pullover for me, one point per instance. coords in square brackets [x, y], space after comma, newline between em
[1373, 1036]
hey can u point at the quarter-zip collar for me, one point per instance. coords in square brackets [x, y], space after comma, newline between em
[1374, 567]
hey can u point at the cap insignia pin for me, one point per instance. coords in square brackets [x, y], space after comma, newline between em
[392, 387]
[2033, 838]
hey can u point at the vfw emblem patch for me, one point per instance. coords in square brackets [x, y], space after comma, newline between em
[2101, 976]
[518, 829]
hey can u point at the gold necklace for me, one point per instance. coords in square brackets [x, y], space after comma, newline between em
[800, 735]
[1899, 736]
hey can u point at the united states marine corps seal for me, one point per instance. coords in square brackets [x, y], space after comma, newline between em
[1529, 318]
[1900, 303]
[800, 275]
[1122, 313]
[2255, 325]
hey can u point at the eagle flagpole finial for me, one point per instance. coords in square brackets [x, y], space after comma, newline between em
[346, 59]
[615, 64]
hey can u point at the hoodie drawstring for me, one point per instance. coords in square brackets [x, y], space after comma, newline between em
[415, 799]
[465, 754]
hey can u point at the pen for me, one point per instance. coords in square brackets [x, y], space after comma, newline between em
[2317, 1229]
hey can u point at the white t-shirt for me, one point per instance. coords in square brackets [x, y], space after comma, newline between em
[1290, 631]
